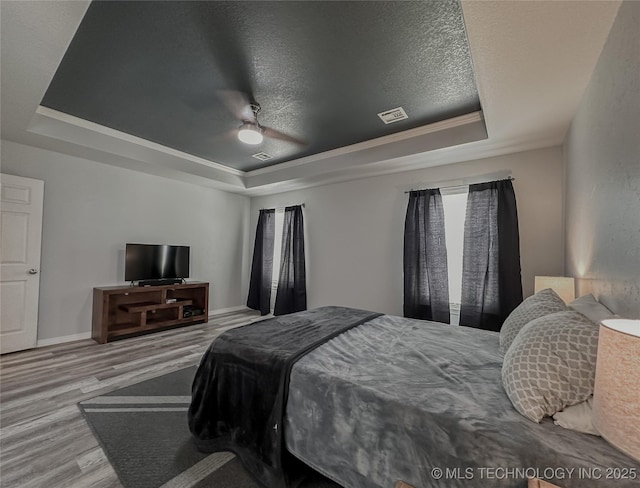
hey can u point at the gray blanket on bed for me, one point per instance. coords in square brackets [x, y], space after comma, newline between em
[399, 399]
[240, 388]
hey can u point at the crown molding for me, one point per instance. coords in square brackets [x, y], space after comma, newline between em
[111, 146]
[51, 115]
[388, 151]
[459, 154]
[462, 138]
[373, 143]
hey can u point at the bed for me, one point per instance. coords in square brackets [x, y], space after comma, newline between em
[382, 399]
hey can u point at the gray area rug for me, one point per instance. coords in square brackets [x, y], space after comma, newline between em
[144, 433]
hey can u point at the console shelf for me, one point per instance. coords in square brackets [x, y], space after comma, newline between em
[146, 306]
[126, 311]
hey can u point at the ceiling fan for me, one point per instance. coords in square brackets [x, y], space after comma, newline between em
[246, 110]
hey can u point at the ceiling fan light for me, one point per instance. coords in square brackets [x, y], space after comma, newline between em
[250, 134]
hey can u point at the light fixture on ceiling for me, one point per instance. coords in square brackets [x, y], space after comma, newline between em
[246, 109]
[250, 133]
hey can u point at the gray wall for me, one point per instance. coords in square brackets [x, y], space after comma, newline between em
[91, 210]
[602, 156]
[355, 228]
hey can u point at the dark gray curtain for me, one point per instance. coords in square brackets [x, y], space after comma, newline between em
[491, 279]
[426, 280]
[292, 288]
[262, 265]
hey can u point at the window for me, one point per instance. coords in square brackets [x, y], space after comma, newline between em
[277, 254]
[454, 200]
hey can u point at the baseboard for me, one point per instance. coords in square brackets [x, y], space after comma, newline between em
[60, 340]
[220, 311]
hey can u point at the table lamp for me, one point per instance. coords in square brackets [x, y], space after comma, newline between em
[616, 399]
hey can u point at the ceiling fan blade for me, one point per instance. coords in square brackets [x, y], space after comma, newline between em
[274, 134]
[226, 137]
[238, 103]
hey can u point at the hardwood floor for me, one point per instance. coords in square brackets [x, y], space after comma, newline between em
[44, 440]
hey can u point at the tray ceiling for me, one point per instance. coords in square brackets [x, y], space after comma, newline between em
[531, 62]
[321, 72]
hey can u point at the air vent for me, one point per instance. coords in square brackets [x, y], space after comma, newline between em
[262, 156]
[393, 115]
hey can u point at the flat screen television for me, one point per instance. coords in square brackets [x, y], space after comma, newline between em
[155, 262]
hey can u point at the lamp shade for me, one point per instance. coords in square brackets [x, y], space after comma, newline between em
[564, 287]
[616, 399]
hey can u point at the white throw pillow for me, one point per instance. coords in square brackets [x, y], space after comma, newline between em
[578, 417]
[588, 306]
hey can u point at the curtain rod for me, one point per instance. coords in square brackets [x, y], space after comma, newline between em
[280, 208]
[511, 178]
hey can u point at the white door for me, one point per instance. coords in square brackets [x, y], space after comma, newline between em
[20, 239]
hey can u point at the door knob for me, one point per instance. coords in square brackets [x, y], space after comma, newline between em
[33, 271]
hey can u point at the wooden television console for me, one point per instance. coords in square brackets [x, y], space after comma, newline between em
[126, 311]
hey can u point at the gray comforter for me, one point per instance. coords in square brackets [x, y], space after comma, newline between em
[400, 399]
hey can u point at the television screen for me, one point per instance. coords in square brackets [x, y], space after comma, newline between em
[155, 262]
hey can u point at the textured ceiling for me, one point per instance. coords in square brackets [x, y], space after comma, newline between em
[320, 70]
